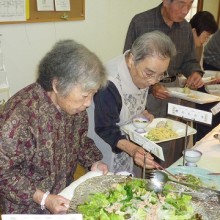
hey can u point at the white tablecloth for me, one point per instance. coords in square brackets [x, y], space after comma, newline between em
[210, 148]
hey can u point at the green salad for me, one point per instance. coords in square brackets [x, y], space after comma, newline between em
[132, 200]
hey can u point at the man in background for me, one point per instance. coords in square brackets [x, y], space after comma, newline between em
[212, 53]
[211, 61]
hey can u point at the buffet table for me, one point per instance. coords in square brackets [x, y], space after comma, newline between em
[210, 160]
[210, 148]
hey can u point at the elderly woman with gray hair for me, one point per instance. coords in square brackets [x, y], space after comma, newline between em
[130, 75]
[43, 131]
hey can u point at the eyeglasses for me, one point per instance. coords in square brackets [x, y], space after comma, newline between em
[149, 75]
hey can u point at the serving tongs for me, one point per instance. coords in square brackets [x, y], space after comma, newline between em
[196, 187]
[214, 174]
[159, 178]
[159, 167]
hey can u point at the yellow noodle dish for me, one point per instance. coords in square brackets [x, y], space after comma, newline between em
[161, 133]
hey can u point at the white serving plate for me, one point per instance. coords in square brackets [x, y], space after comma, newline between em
[193, 96]
[208, 210]
[178, 127]
[213, 89]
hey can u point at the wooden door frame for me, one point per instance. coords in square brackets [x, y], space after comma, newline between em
[218, 18]
[200, 5]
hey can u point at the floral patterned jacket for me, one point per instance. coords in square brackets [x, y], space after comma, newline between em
[40, 147]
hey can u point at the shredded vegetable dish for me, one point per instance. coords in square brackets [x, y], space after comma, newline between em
[131, 200]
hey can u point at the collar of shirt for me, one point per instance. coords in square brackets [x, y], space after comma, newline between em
[127, 86]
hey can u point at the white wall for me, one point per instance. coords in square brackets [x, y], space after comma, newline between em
[103, 31]
[213, 7]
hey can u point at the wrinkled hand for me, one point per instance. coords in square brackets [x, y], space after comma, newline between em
[194, 81]
[99, 165]
[57, 204]
[160, 92]
[138, 156]
[214, 81]
[148, 115]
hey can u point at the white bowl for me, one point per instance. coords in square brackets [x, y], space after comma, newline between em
[140, 123]
[192, 156]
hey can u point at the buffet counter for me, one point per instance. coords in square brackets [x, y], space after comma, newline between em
[210, 148]
[210, 160]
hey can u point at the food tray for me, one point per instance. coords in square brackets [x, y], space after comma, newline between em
[177, 126]
[193, 96]
[152, 146]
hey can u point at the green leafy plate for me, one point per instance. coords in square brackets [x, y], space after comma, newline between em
[209, 209]
[210, 181]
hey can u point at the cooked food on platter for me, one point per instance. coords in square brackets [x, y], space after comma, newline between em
[162, 131]
[119, 197]
[196, 176]
[189, 93]
[189, 178]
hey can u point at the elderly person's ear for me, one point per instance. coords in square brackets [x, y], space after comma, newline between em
[54, 85]
[130, 59]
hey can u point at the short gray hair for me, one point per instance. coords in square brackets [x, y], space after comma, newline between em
[154, 43]
[71, 63]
